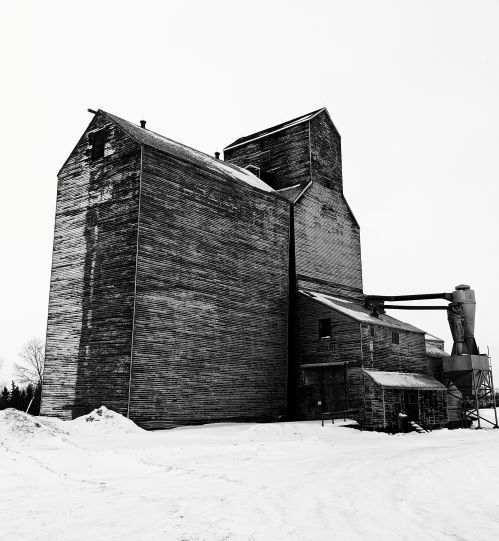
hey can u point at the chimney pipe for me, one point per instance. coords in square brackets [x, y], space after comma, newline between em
[217, 155]
[143, 124]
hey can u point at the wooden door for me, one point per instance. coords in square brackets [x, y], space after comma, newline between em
[411, 405]
[333, 388]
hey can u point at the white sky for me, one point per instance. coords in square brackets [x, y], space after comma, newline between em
[413, 88]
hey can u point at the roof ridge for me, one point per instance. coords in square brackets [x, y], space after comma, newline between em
[164, 137]
[274, 129]
[164, 144]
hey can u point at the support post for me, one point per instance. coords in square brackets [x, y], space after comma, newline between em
[493, 396]
[475, 390]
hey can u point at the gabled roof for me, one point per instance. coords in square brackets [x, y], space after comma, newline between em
[159, 142]
[274, 129]
[404, 380]
[359, 312]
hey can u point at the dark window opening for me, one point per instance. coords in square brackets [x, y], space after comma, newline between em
[97, 139]
[325, 328]
[372, 331]
[410, 397]
[395, 338]
[265, 158]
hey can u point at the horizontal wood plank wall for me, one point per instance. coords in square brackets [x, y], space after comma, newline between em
[328, 257]
[210, 339]
[287, 161]
[409, 355]
[93, 268]
[344, 346]
[325, 149]
[355, 344]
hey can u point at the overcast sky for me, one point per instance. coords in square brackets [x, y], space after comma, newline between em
[413, 88]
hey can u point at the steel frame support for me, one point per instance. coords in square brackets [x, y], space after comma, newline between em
[482, 386]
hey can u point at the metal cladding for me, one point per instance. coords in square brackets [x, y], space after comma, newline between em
[465, 363]
[466, 299]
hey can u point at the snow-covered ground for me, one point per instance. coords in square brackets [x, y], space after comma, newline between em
[107, 479]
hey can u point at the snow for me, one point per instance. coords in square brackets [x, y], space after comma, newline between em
[358, 312]
[175, 148]
[403, 380]
[103, 479]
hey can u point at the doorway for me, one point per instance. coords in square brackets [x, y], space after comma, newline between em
[411, 405]
[333, 386]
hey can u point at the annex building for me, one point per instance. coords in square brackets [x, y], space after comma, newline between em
[189, 289]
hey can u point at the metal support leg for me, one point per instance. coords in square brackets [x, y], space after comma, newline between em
[476, 386]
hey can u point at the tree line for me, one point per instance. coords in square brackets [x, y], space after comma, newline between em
[24, 399]
[27, 395]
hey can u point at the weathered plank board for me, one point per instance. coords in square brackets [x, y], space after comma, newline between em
[210, 338]
[93, 276]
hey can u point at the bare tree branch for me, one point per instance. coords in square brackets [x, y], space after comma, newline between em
[33, 356]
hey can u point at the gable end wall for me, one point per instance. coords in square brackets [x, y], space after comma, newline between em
[93, 276]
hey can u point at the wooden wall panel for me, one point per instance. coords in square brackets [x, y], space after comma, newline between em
[361, 346]
[325, 153]
[328, 257]
[92, 282]
[210, 338]
[288, 156]
[327, 236]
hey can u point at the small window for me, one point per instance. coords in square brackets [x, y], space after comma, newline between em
[395, 338]
[372, 331]
[97, 139]
[265, 158]
[325, 328]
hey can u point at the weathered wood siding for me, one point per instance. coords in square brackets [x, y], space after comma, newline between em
[328, 256]
[92, 282]
[360, 346]
[409, 355]
[384, 405]
[210, 336]
[283, 157]
[344, 346]
[327, 243]
[325, 152]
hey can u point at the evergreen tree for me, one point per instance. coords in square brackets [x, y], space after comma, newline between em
[4, 398]
[35, 407]
[15, 397]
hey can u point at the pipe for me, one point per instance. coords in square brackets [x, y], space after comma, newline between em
[446, 296]
[408, 307]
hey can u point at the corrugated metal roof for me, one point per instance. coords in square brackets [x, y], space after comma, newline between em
[404, 380]
[159, 142]
[273, 129]
[359, 312]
